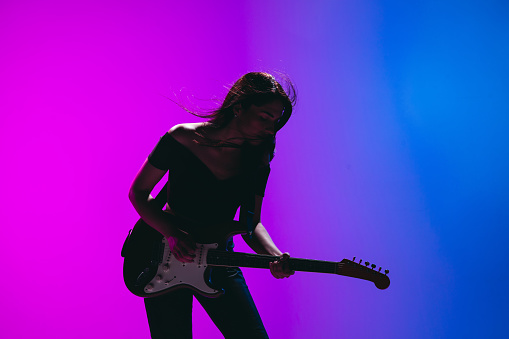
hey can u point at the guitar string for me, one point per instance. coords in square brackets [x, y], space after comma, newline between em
[262, 260]
[258, 260]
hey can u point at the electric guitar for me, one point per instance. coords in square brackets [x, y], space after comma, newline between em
[151, 270]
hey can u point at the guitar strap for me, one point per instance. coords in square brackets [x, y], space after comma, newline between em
[250, 202]
[250, 216]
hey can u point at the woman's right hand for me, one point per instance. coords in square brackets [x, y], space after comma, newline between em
[182, 246]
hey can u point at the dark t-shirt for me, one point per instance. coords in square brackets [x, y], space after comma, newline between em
[195, 193]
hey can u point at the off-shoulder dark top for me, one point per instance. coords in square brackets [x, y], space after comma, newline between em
[195, 193]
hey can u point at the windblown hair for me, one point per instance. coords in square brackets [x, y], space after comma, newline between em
[255, 88]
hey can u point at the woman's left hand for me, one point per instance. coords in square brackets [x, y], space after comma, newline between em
[280, 268]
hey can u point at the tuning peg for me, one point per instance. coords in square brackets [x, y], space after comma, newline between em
[360, 261]
[373, 266]
[380, 268]
[366, 263]
[354, 258]
[386, 271]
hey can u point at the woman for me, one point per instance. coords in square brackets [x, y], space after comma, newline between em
[215, 167]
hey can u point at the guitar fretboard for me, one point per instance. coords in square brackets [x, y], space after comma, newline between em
[234, 259]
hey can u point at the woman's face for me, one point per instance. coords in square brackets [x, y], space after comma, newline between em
[258, 122]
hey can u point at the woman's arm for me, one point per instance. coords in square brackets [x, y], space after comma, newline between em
[139, 194]
[262, 243]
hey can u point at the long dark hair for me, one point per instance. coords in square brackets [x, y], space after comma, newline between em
[254, 88]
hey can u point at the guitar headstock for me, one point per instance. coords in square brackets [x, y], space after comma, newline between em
[366, 271]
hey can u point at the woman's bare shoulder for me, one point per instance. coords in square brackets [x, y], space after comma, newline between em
[185, 133]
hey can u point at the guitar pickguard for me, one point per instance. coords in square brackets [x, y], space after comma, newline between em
[172, 273]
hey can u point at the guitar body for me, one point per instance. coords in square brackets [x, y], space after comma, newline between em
[150, 269]
[142, 251]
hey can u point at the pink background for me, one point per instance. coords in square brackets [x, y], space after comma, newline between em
[396, 153]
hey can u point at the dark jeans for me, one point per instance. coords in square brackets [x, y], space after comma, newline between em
[234, 313]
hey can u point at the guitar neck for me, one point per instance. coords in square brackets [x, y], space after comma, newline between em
[236, 259]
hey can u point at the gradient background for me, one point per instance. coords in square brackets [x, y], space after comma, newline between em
[397, 153]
